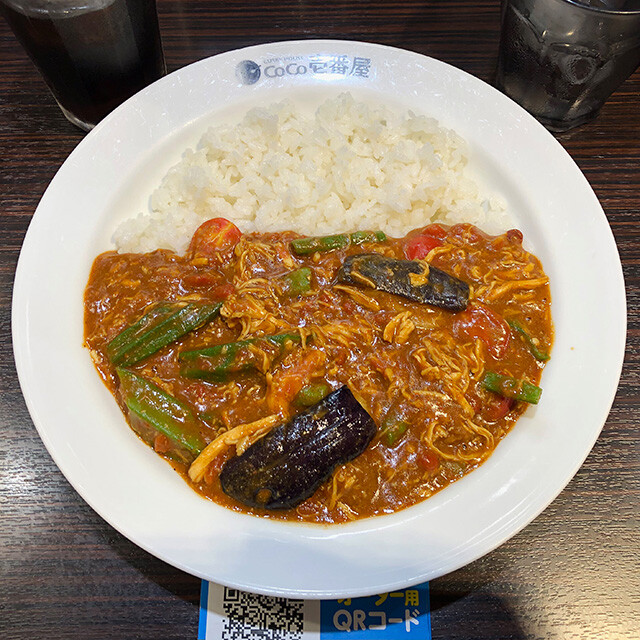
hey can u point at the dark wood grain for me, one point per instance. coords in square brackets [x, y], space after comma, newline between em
[573, 574]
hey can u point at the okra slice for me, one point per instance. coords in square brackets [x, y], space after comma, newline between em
[162, 325]
[163, 412]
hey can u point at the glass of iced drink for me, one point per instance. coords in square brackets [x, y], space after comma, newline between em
[93, 54]
[562, 59]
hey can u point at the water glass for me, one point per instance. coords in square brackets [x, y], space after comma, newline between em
[562, 59]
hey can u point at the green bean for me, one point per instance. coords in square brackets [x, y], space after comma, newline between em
[216, 363]
[296, 282]
[537, 352]
[393, 430]
[511, 387]
[358, 237]
[305, 246]
[312, 393]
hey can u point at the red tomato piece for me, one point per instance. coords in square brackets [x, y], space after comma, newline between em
[214, 236]
[161, 443]
[211, 282]
[468, 232]
[215, 467]
[223, 291]
[201, 392]
[515, 236]
[420, 246]
[436, 230]
[478, 321]
[497, 408]
[202, 279]
[297, 369]
[428, 460]
[348, 306]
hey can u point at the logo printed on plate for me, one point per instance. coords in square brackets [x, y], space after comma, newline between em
[335, 65]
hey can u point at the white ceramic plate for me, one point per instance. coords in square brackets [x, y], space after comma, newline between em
[110, 176]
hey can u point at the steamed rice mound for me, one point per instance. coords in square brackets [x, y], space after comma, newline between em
[349, 167]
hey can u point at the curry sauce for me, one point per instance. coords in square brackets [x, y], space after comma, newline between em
[421, 372]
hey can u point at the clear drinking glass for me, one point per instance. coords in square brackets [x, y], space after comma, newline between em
[93, 54]
[562, 59]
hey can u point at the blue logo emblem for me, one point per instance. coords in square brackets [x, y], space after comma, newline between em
[248, 72]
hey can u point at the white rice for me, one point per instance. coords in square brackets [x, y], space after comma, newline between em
[351, 166]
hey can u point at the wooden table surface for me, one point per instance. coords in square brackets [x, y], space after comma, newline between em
[574, 573]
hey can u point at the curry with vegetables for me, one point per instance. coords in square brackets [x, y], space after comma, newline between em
[322, 379]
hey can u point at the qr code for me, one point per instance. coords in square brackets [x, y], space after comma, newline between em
[255, 617]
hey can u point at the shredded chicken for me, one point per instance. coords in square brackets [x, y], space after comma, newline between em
[422, 278]
[227, 439]
[359, 297]
[516, 284]
[399, 328]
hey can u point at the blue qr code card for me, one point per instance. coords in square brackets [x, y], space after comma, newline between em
[231, 614]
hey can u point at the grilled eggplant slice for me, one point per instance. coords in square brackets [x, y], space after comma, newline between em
[408, 278]
[289, 464]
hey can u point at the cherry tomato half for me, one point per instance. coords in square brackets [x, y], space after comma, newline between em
[478, 321]
[420, 246]
[214, 236]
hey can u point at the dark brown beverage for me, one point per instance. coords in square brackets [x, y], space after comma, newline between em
[92, 57]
